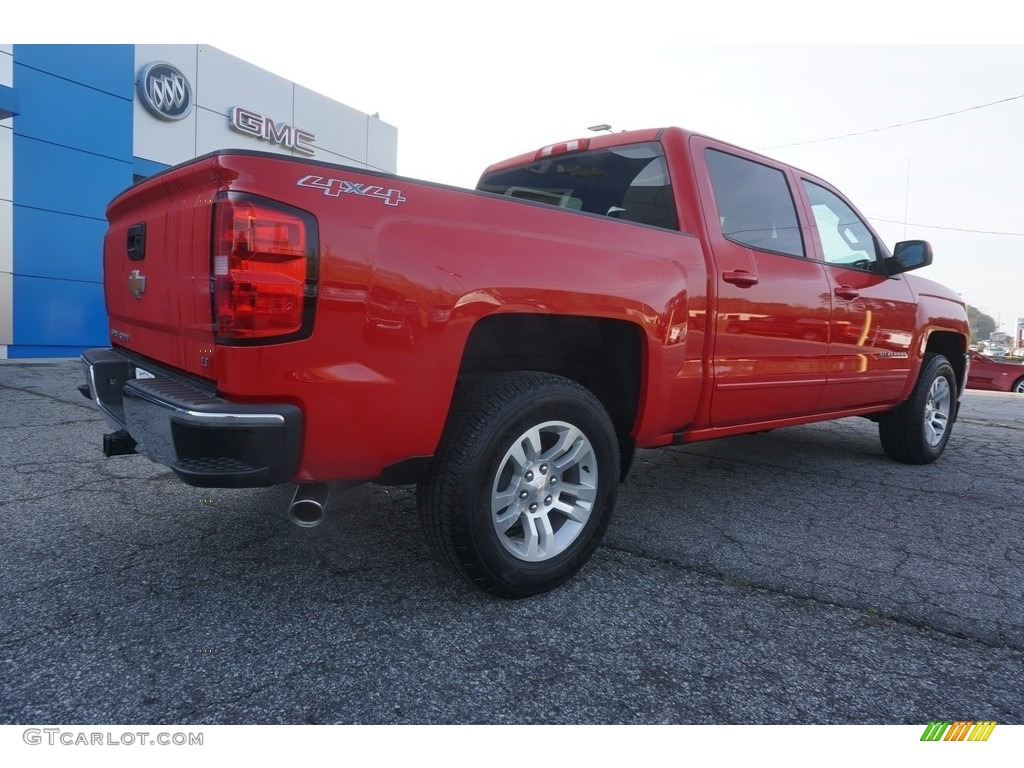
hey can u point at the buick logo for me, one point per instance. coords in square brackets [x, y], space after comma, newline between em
[164, 91]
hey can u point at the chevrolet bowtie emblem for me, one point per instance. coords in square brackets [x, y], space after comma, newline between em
[136, 284]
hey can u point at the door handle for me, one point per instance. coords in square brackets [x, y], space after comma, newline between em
[846, 292]
[740, 277]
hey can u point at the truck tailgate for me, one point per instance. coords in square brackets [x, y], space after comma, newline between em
[157, 265]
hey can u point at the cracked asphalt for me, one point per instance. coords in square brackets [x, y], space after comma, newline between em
[796, 576]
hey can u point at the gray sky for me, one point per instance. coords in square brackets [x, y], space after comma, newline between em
[469, 83]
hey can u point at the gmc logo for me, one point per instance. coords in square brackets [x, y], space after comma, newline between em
[262, 127]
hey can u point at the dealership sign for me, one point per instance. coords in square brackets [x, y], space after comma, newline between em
[164, 91]
[262, 127]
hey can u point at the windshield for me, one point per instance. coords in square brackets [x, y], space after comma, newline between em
[629, 183]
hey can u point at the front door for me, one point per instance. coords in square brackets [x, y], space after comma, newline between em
[873, 315]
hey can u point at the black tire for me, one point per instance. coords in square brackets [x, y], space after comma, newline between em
[545, 445]
[917, 431]
[1018, 386]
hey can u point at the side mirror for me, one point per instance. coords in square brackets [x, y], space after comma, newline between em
[908, 255]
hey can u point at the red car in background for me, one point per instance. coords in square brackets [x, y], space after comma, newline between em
[987, 373]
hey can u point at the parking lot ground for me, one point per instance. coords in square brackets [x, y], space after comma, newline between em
[795, 576]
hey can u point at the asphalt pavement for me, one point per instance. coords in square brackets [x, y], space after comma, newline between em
[796, 576]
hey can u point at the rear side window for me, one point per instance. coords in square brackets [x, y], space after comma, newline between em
[629, 183]
[755, 205]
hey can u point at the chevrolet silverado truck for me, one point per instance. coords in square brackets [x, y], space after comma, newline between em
[507, 349]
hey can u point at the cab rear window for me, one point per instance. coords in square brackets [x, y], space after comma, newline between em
[629, 183]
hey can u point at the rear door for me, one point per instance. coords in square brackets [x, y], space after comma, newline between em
[773, 305]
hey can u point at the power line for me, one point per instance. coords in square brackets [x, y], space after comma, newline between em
[950, 229]
[897, 125]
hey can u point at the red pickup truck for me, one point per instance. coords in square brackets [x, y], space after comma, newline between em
[277, 320]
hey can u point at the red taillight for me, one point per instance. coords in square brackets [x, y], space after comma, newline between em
[577, 145]
[262, 258]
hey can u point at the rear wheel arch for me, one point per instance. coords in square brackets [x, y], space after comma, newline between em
[603, 355]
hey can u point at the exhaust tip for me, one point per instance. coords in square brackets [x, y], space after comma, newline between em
[307, 514]
[307, 507]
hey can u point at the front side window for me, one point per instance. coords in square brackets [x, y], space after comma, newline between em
[755, 206]
[629, 182]
[845, 239]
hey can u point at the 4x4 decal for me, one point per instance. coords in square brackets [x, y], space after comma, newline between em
[338, 187]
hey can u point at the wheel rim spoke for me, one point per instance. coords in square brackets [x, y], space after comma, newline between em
[578, 509]
[935, 429]
[506, 519]
[566, 452]
[538, 537]
[502, 500]
[526, 448]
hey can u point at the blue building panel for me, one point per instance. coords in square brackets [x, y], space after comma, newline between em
[26, 352]
[57, 313]
[10, 102]
[55, 178]
[108, 68]
[70, 148]
[58, 245]
[59, 111]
